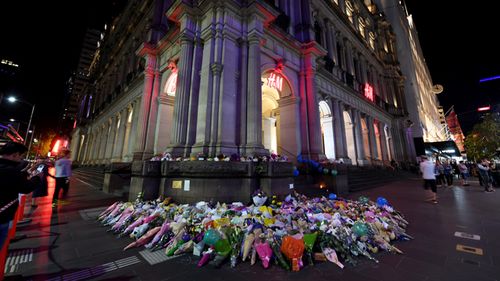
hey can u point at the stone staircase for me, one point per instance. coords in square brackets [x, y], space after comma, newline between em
[91, 176]
[361, 178]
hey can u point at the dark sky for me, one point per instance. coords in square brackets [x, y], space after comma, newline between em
[44, 38]
[460, 45]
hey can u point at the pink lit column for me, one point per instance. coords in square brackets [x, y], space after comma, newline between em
[145, 105]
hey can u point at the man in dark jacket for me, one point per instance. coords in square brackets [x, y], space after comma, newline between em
[12, 182]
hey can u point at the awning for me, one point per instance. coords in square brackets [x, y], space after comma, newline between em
[445, 148]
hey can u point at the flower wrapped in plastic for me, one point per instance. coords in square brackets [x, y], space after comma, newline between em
[293, 250]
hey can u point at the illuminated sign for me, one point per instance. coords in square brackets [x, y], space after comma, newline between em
[171, 84]
[484, 108]
[275, 81]
[369, 92]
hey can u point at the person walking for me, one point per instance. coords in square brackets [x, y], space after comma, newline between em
[63, 173]
[428, 170]
[14, 181]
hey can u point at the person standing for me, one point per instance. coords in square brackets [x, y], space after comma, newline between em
[484, 174]
[40, 174]
[63, 173]
[464, 172]
[428, 170]
[13, 181]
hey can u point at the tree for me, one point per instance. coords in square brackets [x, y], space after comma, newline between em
[484, 139]
[45, 142]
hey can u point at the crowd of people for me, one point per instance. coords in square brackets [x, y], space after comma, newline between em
[442, 173]
[19, 176]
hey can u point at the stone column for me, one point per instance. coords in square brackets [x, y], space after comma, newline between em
[104, 143]
[108, 155]
[253, 140]
[178, 137]
[120, 137]
[383, 141]
[149, 145]
[339, 128]
[329, 40]
[371, 136]
[309, 109]
[358, 138]
[349, 58]
[133, 129]
[141, 132]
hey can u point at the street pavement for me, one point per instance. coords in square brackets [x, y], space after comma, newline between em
[66, 243]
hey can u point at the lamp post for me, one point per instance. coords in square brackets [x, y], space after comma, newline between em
[13, 100]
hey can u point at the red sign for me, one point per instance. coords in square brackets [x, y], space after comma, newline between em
[369, 92]
[275, 81]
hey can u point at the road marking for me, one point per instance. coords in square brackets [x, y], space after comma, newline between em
[471, 250]
[156, 256]
[16, 258]
[467, 235]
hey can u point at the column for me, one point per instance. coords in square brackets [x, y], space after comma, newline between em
[358, 138]
[371, 135]
[339, 128]
[120, 137]
[108, 155]
[178, 138]
[141, 133]
[254, 95]
[149, 145]
[309, 109]
[383, 141]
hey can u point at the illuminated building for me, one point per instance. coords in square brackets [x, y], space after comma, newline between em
[420, 92]
[314, 78]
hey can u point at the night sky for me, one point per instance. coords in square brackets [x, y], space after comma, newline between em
[44, 38]
[461, 46]
[46, 44]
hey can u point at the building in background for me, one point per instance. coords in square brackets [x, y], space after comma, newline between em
[455, 130]
[78, 81]
[315, 78]
[424, 124]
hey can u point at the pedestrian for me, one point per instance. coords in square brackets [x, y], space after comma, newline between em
[40, 174]
[63, 174]
[13, 181]
[464, 173]
[484, 170]
[428, 170]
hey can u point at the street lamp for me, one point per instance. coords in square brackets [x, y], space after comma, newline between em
[13, 100]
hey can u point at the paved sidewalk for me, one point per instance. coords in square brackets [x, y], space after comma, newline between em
[66, 243]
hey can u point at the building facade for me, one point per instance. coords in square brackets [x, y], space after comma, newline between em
[420, 92]
[319, 79]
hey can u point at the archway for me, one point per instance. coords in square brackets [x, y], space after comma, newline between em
[377, 140]
[278, 115]
[349, 137]
[326, 120]
[366, 138]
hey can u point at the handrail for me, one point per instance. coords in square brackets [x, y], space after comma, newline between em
[292, 154]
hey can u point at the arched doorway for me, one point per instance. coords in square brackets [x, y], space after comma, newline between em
[278, 114]
[326, 120]
[366, 138]
[349, 137]
[378, 140]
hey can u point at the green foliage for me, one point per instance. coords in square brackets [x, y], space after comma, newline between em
[484, 139]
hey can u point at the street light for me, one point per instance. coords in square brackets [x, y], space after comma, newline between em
[13, 100]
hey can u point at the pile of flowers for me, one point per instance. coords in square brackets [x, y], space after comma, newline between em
[221, 157]
[292, 233]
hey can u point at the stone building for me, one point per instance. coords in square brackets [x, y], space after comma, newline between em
[419, 90]
[316, 78]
